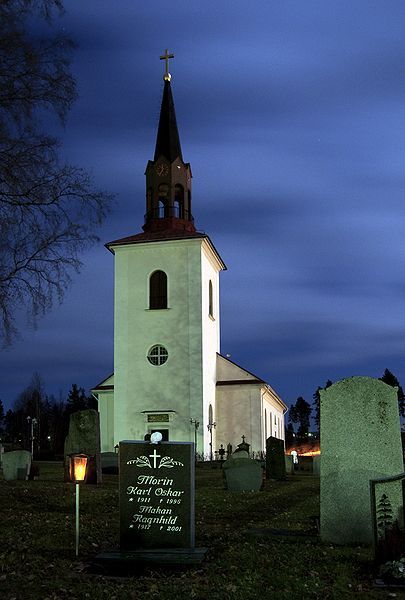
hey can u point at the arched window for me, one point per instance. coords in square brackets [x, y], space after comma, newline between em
[158, 290]
[163, 195]
[179, 201]
[210, 300]
[210, 415]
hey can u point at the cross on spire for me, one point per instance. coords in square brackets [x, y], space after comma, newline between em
[166, 57]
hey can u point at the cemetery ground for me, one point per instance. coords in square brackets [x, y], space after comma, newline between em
[37, 541]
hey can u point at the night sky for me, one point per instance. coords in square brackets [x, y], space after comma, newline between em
[292, 115]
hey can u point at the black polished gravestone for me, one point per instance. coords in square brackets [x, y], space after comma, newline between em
[156, 498]
[156, 495]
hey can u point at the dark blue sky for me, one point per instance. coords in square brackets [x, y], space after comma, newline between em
[292, 115]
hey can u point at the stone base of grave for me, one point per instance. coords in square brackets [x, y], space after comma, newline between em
[156, 557]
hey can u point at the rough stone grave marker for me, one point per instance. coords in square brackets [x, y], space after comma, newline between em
[360, 441]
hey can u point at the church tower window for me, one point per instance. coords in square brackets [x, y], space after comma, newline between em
[163, 193]
[210, 300]
[158, 290]
[157, 355]
[179, 201]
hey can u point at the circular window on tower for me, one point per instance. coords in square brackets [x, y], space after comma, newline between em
[157, 355]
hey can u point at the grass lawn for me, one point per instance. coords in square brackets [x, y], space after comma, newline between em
[37, 541]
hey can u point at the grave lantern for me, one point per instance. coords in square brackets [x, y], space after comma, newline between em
[77, 472]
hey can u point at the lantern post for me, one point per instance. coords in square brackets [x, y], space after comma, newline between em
[78, 472]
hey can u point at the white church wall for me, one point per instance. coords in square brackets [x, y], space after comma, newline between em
[239, 413]
[272, 417]
[139, 385]
[106, 410]
[210, 339]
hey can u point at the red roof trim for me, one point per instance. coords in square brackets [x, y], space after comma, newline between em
[242, 382]
[103, 387]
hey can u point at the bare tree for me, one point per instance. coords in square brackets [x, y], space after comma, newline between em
[48, 209]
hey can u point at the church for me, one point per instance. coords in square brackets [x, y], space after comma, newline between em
[169, 374]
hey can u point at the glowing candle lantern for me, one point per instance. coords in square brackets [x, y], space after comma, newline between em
[77, 473]
[78, 467]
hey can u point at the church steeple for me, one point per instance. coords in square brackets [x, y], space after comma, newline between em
[168, 177]
[168, 140]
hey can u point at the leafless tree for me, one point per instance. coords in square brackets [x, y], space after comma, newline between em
[48, 210]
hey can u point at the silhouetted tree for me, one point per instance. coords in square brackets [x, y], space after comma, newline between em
[92, 402]
[317, 402]
[390, 379]
[76, 399]
[300, 413]
[48, 210]
[289, 435]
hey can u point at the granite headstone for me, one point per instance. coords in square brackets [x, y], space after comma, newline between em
[16, 465]
[275, 461]
[156, 495]
[241, 473]
[109, 462]
[360, 441]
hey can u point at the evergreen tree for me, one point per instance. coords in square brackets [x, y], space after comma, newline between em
[390, 379]
[289, 435]
[2, 416]
[300, 413]
[76, 399]
[92, 402]
[317, 403]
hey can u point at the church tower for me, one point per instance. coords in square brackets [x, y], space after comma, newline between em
[166, 314]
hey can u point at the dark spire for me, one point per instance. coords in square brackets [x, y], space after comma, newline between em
[168, 141]
[168, 177]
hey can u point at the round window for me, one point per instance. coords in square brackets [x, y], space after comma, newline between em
[157, 355]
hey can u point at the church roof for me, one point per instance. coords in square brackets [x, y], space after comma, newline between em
[234, 374]
[168, 140]
[165, 235]
[106, 384]
[156, 236]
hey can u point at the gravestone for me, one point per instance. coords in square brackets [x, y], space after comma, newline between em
[109, 462]
[156, 495]
[16, 465]
[241, 473]
[275, 461]
[84, 438]
[243, 446]
[387, 509]
[156, 498]
[316, 465]
[360, 441]
[289, 464]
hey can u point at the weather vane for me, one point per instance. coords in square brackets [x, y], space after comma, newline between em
[166, 56]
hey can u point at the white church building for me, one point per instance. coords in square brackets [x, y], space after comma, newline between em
[169, 375]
